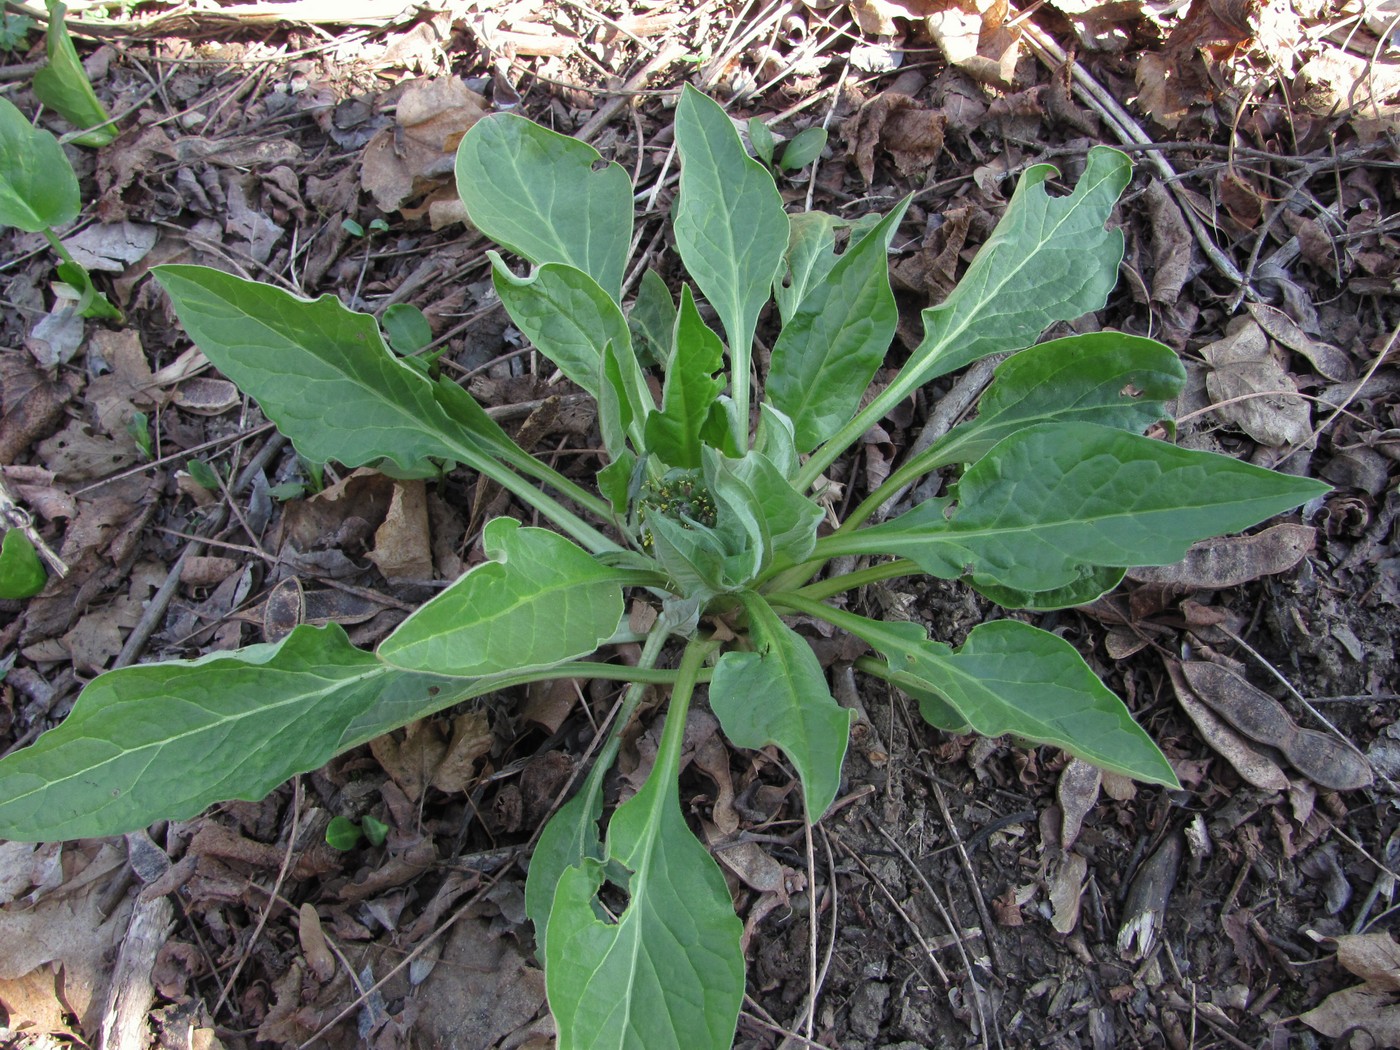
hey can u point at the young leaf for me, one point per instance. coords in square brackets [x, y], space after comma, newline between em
[1052, 501]
[778, 695]
[90, 302]
[652, 319]
[540, 601]
[761, 138]
[804, 147]
[407, 328]
[1108, 378]
[63, 85]
[37, 186]
[831, 346]
[760, 514]
[669, 973]
[1009, 677]
[541, 195]
[319, 371]
[342, 833]
[164, 741]
[22, 574]
[730, 229]
[696, 355]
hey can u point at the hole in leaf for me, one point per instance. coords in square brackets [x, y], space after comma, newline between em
[600, 165]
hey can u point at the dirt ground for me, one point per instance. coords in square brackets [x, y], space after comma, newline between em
[965, 892]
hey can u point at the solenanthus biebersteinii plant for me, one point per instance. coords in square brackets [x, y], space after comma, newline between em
[706, 509]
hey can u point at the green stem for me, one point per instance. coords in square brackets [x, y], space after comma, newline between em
[686, 676]
[651, 652]
[534, 498]
[58, 247]
[542, 471]
[850, 581]
[930, 459]
[848, 435]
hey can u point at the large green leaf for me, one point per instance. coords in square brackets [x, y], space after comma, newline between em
[778, 695]
[570, 838]
[541, 195]
[691, 388]
[668, 974]
[1115, 380]
[320, 372]
[731, 230]
[1052, 501]
[1010, 677]
[63, 85]
[37, 186]
[540, 601]
[831, 346]
[163, 741]
[1049, 259]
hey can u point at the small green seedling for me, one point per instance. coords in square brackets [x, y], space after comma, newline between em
[803, 148]
[63, 85]
[14, 31]
[22, 572]
[706, 506]
[139, 427]
[203, 475]
[38, 193]
[407, 329]
[342, 833]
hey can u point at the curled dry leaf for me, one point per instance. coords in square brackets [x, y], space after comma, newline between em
[432, 117]
[402, 547]
[1066, 888]
[1326, 761]
[1077, 791]
[1371, 1007]
[912, 135]
[1233, 560]
[1253, 391]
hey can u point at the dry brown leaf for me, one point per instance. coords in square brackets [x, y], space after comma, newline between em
[1077, 792]
[1329, 360]
[433, 114]
[876, 17]
[974, 36]
[1173, 247]
[1373, 1007]
[313, 943]
[712, 757]
[1253, 391]
[1066, 887]
[892, 121]
[1232, 560]
[471, 739]
[402, 548]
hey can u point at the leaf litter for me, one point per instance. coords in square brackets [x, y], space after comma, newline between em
[240, 175]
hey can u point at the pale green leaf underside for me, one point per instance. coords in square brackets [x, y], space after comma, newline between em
[164, 741]
[731, 230]
[669, 974]
[568, 317]
[37, 186]
[535, 192]
[1049, 259]
[831, 346]
[779, 695]
[320, 372]
[570, 838]
[1010, 677]
[1052, 501]
[542, 600]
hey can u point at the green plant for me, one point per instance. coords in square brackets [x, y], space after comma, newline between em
[22, 572]
[710, 515]
[38, 193]
[63, 85]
